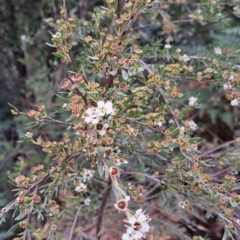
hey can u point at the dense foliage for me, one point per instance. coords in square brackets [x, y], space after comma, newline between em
[131, 110]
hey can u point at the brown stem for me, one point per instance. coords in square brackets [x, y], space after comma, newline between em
[206, 153]
[76, 91]
[74, 222]
[101, 209]
[118, 8]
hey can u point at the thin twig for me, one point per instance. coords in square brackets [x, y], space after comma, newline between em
[172, 227]
[170, 109]
[34, 185]
[145, 175]
[101, 209]
[74, 222]
[206, 153]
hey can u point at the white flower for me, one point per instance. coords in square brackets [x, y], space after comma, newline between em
[119, 161]
[105, 108]
[64, 105]
[102, 129]
[226, 86]
[91, 115]
[231, 77]
[192, 125]
[23, 37]
[94, 115]
[109, 108]
[171, 121]
[81, 188]
[29, 134]
[182, 130]
[158, 122]
[138, 226]
[234, 102]
[192, 101]
[122, 204]
[87, 174]
[218, 51]
[87, 201]
[186, 58]
[167, 46]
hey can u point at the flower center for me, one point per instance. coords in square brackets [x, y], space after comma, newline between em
[99, 126]
[121, 204]
[108, 152]
[137, 226]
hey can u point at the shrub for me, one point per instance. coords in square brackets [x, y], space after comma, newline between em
[131, 148]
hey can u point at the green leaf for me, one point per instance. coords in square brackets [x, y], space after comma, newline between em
[106, 174]
[156, 137]
[46, 150]
[112, 63]
[61, 97]
[85, 44]
[13, 228]
[50, 45]
[100, 167]
[113, 72]
[144, 50]
[213, 113]
[165, 150]
[5, 235]
[115, 192]
[195, 140]
[12, 180]
[227, 117]
[110, 92]
[124, 75]
[20, 217]
[175, 131]
[233, 203]
[59, 55]
[161, 157]
[93, 58]
[98, 34]
[12, 106]
[226, 233]
[70, 118]
[103, 149]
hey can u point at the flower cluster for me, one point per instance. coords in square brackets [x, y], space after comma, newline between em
[95, 114]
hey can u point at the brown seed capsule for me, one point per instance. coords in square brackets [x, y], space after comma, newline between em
[114, 171]
[20, 178]
[22, 224]
[66, 84]
[139, 199]
[36, 199]
[122, 204]
[88, 39]
[31, 113]
[19, 199]
[77, 78]
[41, 108]
[53, 203]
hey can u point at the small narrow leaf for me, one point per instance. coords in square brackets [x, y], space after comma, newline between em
[100, 167]
[124, 75]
